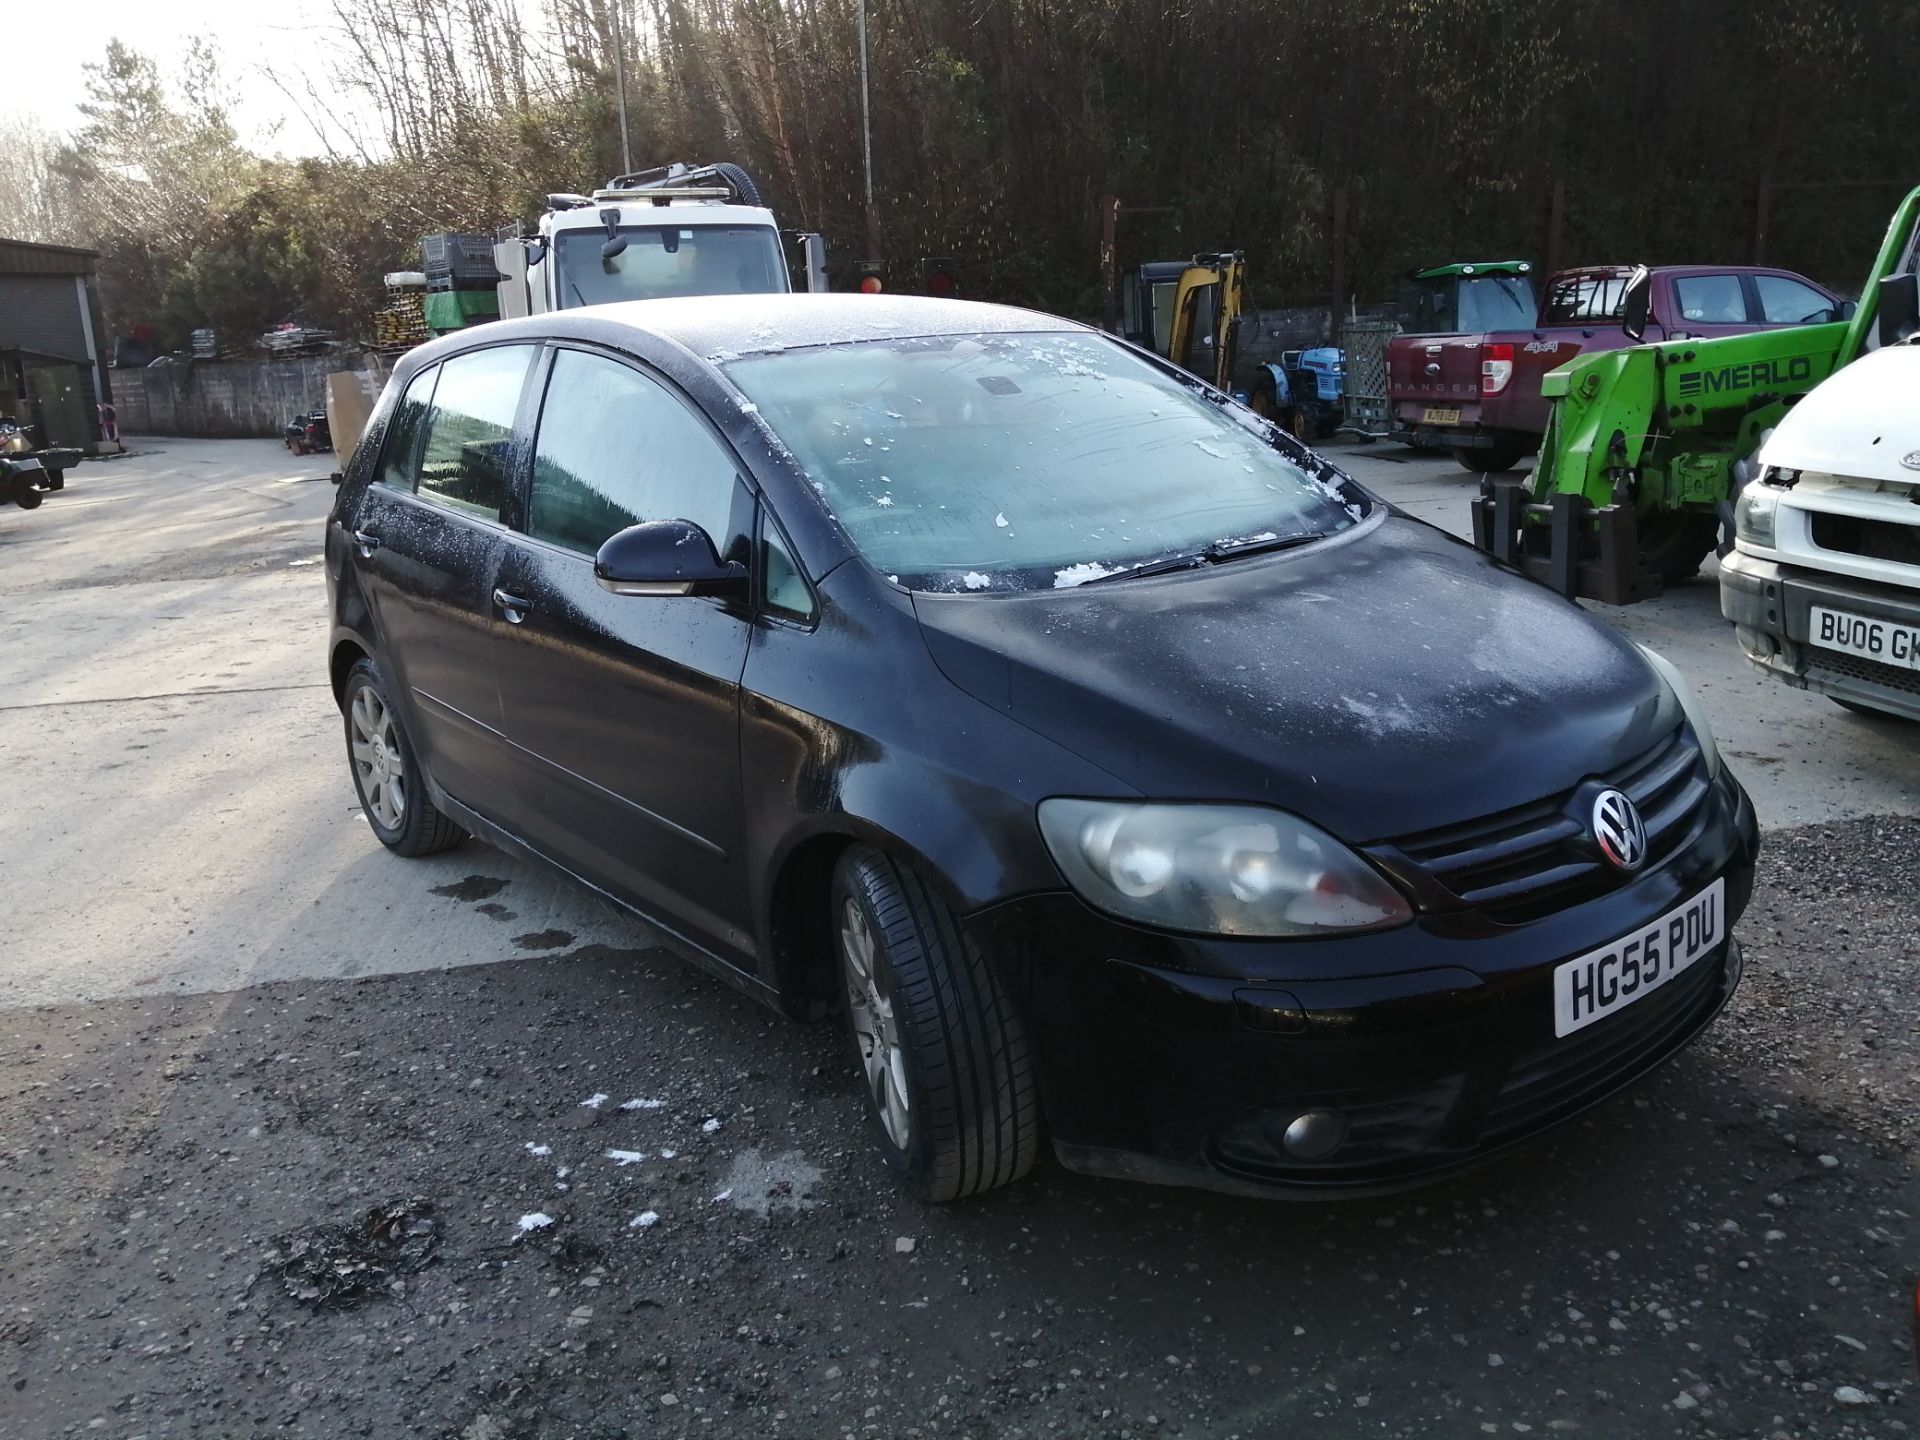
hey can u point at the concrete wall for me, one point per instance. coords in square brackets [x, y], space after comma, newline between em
[229, 398]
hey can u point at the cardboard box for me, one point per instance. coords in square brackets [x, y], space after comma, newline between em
[350, 398]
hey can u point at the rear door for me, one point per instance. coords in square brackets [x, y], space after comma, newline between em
[623, 710]
[428, 536]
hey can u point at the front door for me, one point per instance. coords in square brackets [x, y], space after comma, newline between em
[429, 537]
[623, 709]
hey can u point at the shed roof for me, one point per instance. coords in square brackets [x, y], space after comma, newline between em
[25, 257]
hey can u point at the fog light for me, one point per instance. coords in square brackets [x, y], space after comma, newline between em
[1315, 1134]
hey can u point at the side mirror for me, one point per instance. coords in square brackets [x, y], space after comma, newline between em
[1846, 309]
[665, 557]
[1899, 307]
[1637, 304]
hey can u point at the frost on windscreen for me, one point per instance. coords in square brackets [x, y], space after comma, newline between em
[974, 580]
[1081, 573]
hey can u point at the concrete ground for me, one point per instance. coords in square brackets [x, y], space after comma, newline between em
[228, 1020]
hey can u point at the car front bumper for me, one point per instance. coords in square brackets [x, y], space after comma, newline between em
[1181, 1060]
[1770, 606]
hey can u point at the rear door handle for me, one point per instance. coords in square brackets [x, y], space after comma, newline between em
[512, 606]
[367, 541]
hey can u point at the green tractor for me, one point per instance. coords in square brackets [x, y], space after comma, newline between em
[1647, 447]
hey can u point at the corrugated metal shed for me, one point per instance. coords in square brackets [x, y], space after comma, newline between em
[23, 257]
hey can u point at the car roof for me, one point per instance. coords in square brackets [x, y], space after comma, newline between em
[723, 326]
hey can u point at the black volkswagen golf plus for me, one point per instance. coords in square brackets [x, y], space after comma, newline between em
[1129, 778]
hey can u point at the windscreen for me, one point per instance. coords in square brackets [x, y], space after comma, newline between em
[667, 260]
[1015, 462]
[1456, 305]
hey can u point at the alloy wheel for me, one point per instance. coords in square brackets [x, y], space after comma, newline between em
[377, 763]
[876, 1027]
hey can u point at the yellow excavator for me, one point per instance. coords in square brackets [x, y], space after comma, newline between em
[1188, 311]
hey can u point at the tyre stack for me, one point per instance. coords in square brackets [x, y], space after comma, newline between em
[461, 281]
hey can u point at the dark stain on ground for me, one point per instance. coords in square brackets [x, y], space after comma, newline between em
[497, 911]
[544, 940]
[474, 887]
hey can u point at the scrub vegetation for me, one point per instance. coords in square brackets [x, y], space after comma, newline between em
[997, 124]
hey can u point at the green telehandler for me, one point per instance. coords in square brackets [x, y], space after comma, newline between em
[1647, 447]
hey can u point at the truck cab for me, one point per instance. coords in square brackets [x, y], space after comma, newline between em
[677, 230]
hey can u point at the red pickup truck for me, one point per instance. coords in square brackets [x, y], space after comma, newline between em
[1475, 390]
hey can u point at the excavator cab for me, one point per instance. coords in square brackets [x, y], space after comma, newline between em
[1187, 311]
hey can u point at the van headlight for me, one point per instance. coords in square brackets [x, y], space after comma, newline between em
[1216, 869]
[1690, 706]
[1753, 512]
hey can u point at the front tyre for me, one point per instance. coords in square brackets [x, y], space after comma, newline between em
[943, 1056]
[386, 773]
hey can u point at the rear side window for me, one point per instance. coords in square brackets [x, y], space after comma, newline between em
[466, 462]
[1711, 299]
[1788, 302]
[402, 449]
[1585, 300]
[616, 448]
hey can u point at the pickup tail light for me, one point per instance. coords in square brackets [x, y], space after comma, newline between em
[1496, 368]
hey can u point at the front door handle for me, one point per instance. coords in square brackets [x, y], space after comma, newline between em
[512, 606]
[367, 541]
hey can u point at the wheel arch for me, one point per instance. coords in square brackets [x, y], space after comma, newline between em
[348, 651]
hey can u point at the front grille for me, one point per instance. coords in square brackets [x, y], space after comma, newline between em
[1570, 1073]
[1527, 862]
[1832, 665]
[1383, 1127]
[1874, 539]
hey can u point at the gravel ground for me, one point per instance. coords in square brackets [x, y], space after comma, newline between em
[186, 1185]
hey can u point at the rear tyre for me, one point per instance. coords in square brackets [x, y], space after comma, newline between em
[1265, 399]
[943, 1055]
[1674, 543]
[28, 498]
[1493, 458]
[56, 480]
[386, 774]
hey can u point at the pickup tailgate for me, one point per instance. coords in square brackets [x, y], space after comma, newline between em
[1434, 379]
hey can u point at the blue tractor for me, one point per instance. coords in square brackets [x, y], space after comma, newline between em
[1305, 391]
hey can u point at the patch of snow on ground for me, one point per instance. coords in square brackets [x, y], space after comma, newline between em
[669, 1154]
[1083, 572]
[645, 1220]
[534, 1220]
[711, 1124]
[762, 1184]
[533, 1149]
[626, 1157]
[639, 1104]
[974, 580]
[594, 1101]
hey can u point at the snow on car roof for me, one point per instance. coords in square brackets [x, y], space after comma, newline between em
[726, 326]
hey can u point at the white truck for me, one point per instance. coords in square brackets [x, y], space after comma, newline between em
[676, 230]
[1823, 582]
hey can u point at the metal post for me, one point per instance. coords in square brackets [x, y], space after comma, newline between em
[866, 142]
[620, 87]
[1556, 225]
[1339, 264]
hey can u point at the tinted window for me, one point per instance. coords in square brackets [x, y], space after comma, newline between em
[1585, 300]
[467, 461]
[974, 462]
[1711, 299]
[1788, 302]
[786, 591]
[402, 447]
[616, 448]
[1496, 302]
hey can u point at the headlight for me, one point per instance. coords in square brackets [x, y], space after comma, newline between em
[1216, 869]
[1690, 706]
[1753, 514]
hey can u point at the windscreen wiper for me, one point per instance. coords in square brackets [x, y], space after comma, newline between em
[1261, 544]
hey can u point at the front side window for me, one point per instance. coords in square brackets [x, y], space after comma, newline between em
[1711, 299]
[616, 448]
[401, 451]
[466, 463]
[1000, 462]
[1788, 302]
[662, 260]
